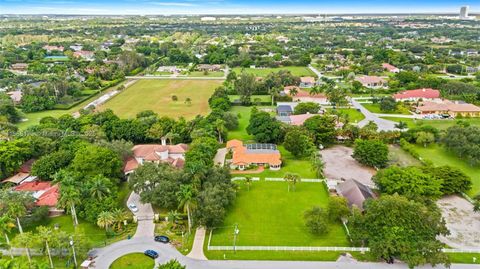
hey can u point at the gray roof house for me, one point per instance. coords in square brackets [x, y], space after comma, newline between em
[284, 110]
[355, 192]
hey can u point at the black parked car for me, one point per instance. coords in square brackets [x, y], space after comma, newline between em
[151, 253]
[162, 238]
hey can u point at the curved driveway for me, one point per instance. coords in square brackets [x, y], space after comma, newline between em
[383, 124]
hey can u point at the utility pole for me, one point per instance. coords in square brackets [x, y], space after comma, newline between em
[235, 233]
[74, 254]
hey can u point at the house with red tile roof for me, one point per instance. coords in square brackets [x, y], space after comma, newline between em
[44, 192]
[372, 82]
[23, 174]
[390, 68]
[296, 120]
[426, 94]
[156, 153]
[244, 156]
[302, 95]
[449, 108]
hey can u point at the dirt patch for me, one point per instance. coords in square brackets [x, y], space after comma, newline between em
[339, 165]
[463, 223]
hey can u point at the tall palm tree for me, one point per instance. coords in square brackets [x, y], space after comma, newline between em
[186, 198]
[6, 225]
[317, 164]
[69, 197]
[316, 90]
[25, 240]
[105, 220]
[274, 91]
[46, 234]
[248, 181]
[119, 216]
[99, 188]
[293, 91]
[292, 179]
[220, 128]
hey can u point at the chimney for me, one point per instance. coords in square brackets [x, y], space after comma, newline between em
[164, 141]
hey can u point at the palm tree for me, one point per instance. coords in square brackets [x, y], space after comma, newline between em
[99, 188]
[220, 128]
[17, 210]
[186, 198]
[119, 216]
[315, 90]
[25, 240]
[274, 91]
[173, 217]
[317, 164]
[292, 179]
[6, 225]
[69, 197]
[401, 125]
[248, 181]
[293, 91]
[105, 219]
[46, 234]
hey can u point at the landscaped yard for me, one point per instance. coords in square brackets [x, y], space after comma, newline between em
[157, 95]
[353, 114]
[184, 245]
[375, 108]
[300, 71]
[133, 261]
[439, 156]
[439, 124]
[269, 215]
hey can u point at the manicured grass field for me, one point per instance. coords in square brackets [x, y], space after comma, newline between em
[439, 124]
[464, 258]
[353, 114]
[35, 117]
[157, 95]
[269, 215]
[274, 255]
[244, 117]
[300, 71]
[439, 156]
[133, 261]
[375, 108]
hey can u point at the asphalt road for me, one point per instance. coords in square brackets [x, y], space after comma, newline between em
[383, 124]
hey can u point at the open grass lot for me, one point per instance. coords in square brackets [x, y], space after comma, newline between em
[156, 95]
[274, 255]
[133, 261]
[35, 117]
[300, 71]
[244, 117]
[464, 258]
[353, 114]
[375, 108]
[269, 215]
[439, 124]
[439, 156]
[399, 157]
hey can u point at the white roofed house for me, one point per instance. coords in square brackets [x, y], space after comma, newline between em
[156, 153]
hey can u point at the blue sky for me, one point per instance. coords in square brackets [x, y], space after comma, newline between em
[146, 7]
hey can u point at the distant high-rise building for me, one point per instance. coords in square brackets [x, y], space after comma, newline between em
[464, 13]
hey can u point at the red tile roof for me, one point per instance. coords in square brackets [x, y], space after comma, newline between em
[427, 93]
[49, 197]
[242, 157]
[300, 119]
[26, 166]
[303, 93]
[34, 186]
[46, 193]
[307, 80]
[389, 67]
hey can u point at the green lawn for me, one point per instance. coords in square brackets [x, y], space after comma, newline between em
[157, 95]
[218, 74]
[263, 98]
[353, 114]
[439, 124]
[375, 108]
[300, 71]
[439, 156]
[464, 258]
[244, 118]
[269, 215]
[274, 255]
[34, 117]
[133, 261]
[399, 157]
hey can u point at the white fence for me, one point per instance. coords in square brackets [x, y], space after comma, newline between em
[243, 178]
[285, 248]
[317, 180]
[348, 249]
